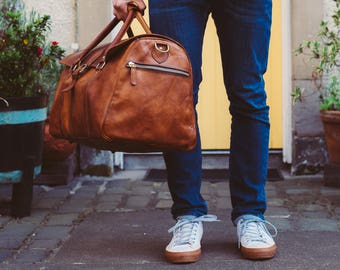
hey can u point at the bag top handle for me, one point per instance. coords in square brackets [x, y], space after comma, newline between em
[143, 23]
[139, 15]
[133, 12]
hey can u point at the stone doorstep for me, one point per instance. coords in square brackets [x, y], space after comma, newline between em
[137, 166]
[210, 160]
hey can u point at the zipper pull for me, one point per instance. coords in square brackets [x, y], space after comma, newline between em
[133, 73]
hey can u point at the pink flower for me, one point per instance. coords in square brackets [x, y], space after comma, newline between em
[55, 43]
[39, 51]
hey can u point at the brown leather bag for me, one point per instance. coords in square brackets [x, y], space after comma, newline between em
[132, 95]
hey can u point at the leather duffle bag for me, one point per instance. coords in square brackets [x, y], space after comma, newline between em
[131, 95]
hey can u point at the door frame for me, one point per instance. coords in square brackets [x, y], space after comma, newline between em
[286, 81]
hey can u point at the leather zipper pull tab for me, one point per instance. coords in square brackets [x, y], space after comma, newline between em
[133, 73]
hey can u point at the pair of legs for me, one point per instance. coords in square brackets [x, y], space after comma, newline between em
[243, 28]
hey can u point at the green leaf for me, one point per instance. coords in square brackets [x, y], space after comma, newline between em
[297, 94]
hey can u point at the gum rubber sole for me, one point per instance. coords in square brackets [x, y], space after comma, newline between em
[258, 253]
[183, 257]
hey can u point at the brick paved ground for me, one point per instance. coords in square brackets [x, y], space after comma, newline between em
[57, 213]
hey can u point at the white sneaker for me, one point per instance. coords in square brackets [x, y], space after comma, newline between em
[254, 239]
[185, 245]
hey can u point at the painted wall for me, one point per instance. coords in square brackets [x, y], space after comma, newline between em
[63, 18]
[74, 22]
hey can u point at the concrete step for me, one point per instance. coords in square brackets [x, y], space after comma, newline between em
[211, 160]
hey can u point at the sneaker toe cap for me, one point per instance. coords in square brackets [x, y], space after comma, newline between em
[258, 244]
[182, 248]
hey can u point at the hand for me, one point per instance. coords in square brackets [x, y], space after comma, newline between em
[120, 7]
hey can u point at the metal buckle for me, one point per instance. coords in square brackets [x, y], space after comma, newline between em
[101, 65]
[82, 68]
[74, 67]
[160, 47]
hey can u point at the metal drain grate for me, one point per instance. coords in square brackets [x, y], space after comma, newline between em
[209, 175]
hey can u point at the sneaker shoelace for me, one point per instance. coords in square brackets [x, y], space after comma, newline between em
[185, 230]
[254, 229]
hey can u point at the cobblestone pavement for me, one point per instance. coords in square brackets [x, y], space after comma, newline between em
[293, 205]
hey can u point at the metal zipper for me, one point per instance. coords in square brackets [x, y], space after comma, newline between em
[133, 66]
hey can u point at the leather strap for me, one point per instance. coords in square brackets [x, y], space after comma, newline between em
[130, 33]
[134, 12]
[122, 30]
[143, 23]
[107, 30]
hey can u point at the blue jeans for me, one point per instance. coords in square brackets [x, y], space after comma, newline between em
[243, 28]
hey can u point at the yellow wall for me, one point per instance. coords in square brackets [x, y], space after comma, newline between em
[214, 118]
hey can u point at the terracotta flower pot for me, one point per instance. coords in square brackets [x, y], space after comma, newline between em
[56, 149]
[331, 124]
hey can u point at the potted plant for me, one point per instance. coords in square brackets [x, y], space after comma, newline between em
[29, 68]
[324, 50]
